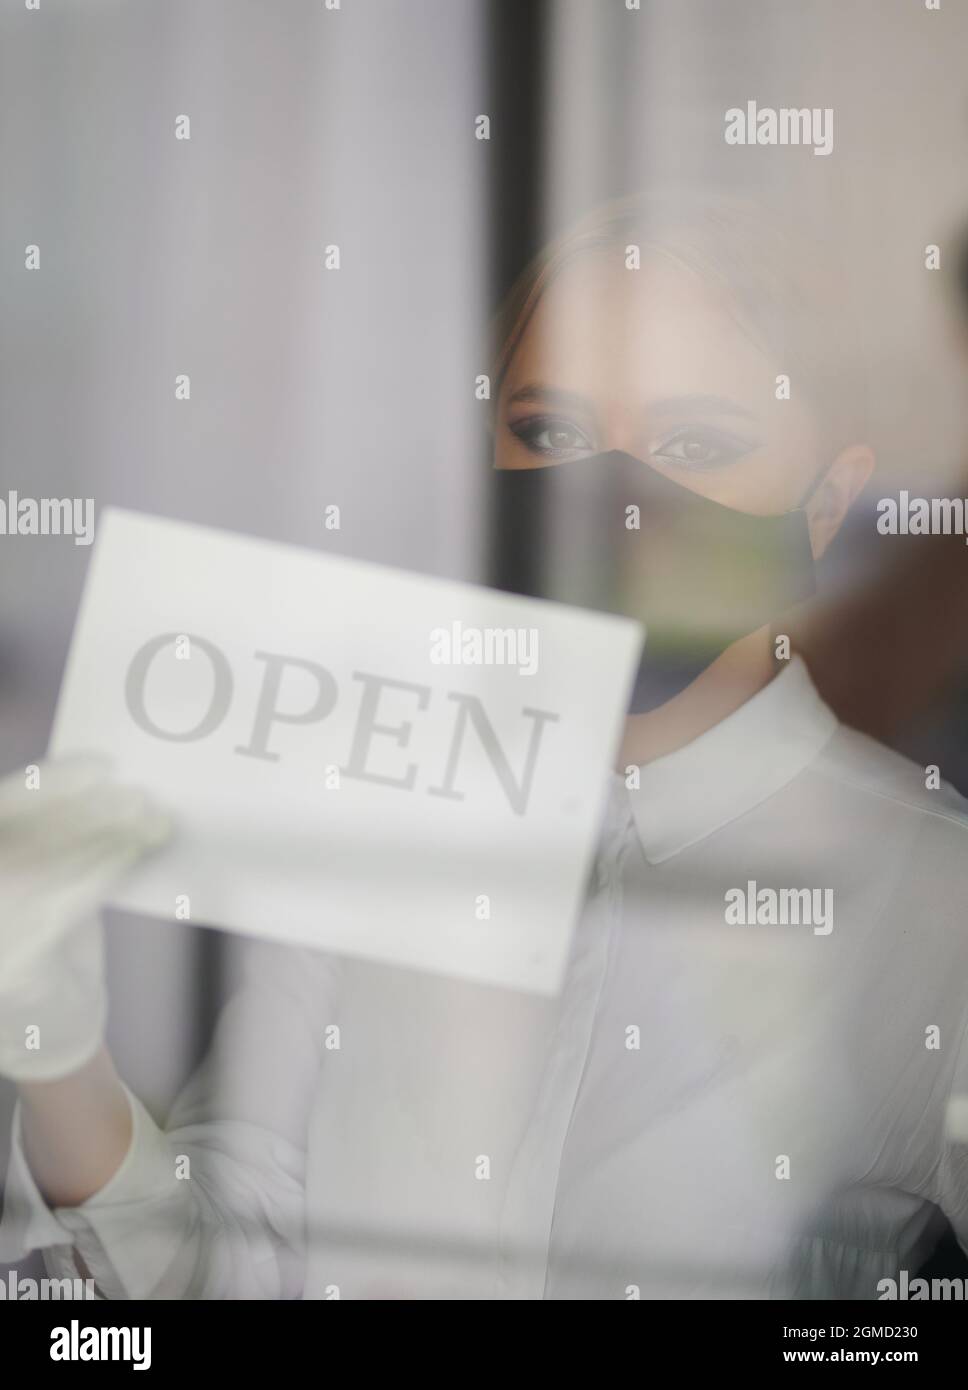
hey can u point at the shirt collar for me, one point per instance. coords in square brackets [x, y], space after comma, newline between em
[732, 767]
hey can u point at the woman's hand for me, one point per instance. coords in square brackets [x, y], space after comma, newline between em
[65, 840]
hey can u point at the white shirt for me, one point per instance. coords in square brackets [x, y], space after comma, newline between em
[786, 1121]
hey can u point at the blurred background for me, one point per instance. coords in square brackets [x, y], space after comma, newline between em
[356, 127]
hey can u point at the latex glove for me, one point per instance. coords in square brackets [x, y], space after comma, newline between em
[63, 847]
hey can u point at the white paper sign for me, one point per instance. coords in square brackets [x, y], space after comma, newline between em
[341, 772]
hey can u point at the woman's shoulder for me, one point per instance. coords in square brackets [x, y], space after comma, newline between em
[865, 769]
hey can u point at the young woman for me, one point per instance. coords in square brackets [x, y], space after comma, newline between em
[749, 1085]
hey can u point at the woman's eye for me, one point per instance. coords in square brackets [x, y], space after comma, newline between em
[702, 448]
[551, 435]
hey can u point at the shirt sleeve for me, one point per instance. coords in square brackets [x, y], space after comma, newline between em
[211, 1206]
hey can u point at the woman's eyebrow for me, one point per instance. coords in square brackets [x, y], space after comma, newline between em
[536, 391]
[551, 395]
[700, 405]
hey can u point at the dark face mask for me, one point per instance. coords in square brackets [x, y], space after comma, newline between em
[696, 574]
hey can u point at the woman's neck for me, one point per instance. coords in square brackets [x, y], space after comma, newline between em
[732, 679]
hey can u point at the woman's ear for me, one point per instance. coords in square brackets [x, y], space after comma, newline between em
[845, 478]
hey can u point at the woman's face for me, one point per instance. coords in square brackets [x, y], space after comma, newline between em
[650, 363]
